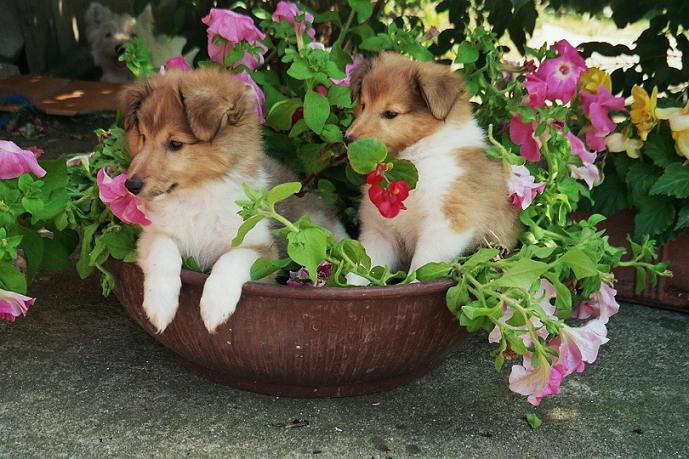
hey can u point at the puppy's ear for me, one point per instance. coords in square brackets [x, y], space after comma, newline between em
[357, 77]
[213, 101]
[96, 14]
[146, 17]
[440, 88]
[130, 98]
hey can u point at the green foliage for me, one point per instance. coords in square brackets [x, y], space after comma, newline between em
[138, 58]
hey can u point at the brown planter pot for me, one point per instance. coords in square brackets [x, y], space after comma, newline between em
[670, 292]
[306, 342]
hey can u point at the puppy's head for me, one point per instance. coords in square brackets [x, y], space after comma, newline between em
[186, 128]
[402, 101]
[107, 32]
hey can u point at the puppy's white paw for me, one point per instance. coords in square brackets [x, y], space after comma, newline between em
[161, 306]
[219, 301]
[355, 279]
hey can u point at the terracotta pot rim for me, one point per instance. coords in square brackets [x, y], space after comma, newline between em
[329, 293]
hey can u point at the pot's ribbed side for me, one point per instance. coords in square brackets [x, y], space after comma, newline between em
[327, 346]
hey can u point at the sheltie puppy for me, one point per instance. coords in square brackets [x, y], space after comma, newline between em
[194, 139]
[421, 111]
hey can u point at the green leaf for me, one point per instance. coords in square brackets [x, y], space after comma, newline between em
[308, 248]
[582, 265]
[12, 279]
[264, 267]
[245, 227]
[611, 196]
[331, 134]
[355, 252]
[660, 148]
[432, 271]
[32, 205]
[340, 95]
[403, 169]
[483, 255]
[191, 264]
[683, 217]
[84, 267]
[365, 154]
[300, 71]
[282, 192]
[641, 177]
[119, 243]
[673, 182]
[655, 215]
[32, 245]
[316, 110]
[533, 420]
[373, 44]
[363, 9]
[466, 53]
[280, 115]
[522, 274]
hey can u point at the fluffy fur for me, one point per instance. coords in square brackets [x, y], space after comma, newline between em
[194, 138]
[107, 32]
[421, 112]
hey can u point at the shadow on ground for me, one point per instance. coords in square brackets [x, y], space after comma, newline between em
[80, 379]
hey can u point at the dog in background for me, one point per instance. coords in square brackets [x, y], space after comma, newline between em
[421, 111]
[194, 139]
[107, 32]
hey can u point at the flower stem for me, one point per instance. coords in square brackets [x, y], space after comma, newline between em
[345, 29]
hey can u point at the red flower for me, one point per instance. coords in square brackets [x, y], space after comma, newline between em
[389, 201]
[376, 176]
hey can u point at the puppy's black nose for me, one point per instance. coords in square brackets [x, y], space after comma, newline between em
[134, 184]
[349, 138]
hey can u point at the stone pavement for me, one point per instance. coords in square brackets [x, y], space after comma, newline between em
[79, 379]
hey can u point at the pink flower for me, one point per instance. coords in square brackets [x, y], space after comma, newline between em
[289, 12]
[13, 305]
[177, 63]
[521, 187]
[534, 382]
[260, 97]
[300, 278]
[579, 149]
[602, 305]
[595, 140]
[597, 107]
[233, 28]
[589, 173]
[579, 345]
[524, 135]
[537, 90]
[37, 152]
[122, 203]
[561, 73]
[14, 161]
[557, 375]
[349, 68]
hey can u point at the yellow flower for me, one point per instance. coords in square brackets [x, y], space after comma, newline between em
[594, 78]
[619, 142]
[679, 124]
[643, 112]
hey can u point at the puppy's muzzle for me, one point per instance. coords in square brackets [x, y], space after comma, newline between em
[134, 184]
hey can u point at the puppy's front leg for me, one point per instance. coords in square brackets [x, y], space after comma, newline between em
[161, 263]
[382, 250]
[224, 286]
[438, 243]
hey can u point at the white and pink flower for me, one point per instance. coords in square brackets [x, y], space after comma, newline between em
[14, 161]
[602, 305]
[123, 204]
[522, 187]
[13, 305]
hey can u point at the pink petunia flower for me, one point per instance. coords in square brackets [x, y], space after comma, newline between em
[233, 28]
[579, 345]
[537, 89]
[177, 63]
[289, 12]
[533, 382]
[14, 161]
[122, 203]
[349, 68]
[589, 173]
[602, 305]
[260, 96]
[595, 140]
[521, 187]
[597, 107]
[579, 149]
[561, 73]
[557, 375]
[300, 278]
[524, 135]
[13, 305]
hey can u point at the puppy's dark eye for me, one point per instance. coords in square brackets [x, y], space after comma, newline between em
[363, 107]
[389, 115]
[174, 145]
[108, 35]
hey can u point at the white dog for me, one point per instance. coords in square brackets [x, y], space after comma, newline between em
[107, 32]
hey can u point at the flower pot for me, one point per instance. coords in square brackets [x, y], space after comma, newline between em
[306, 342]
[670, 292]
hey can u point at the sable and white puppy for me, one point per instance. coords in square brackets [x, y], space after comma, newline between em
[421, 112]
[107, 32]
[194, 139]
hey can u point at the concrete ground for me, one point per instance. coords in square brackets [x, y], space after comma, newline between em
[79, 379]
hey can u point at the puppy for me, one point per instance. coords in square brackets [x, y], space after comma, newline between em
[194, 139]
[421, 112]
[107, 32]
